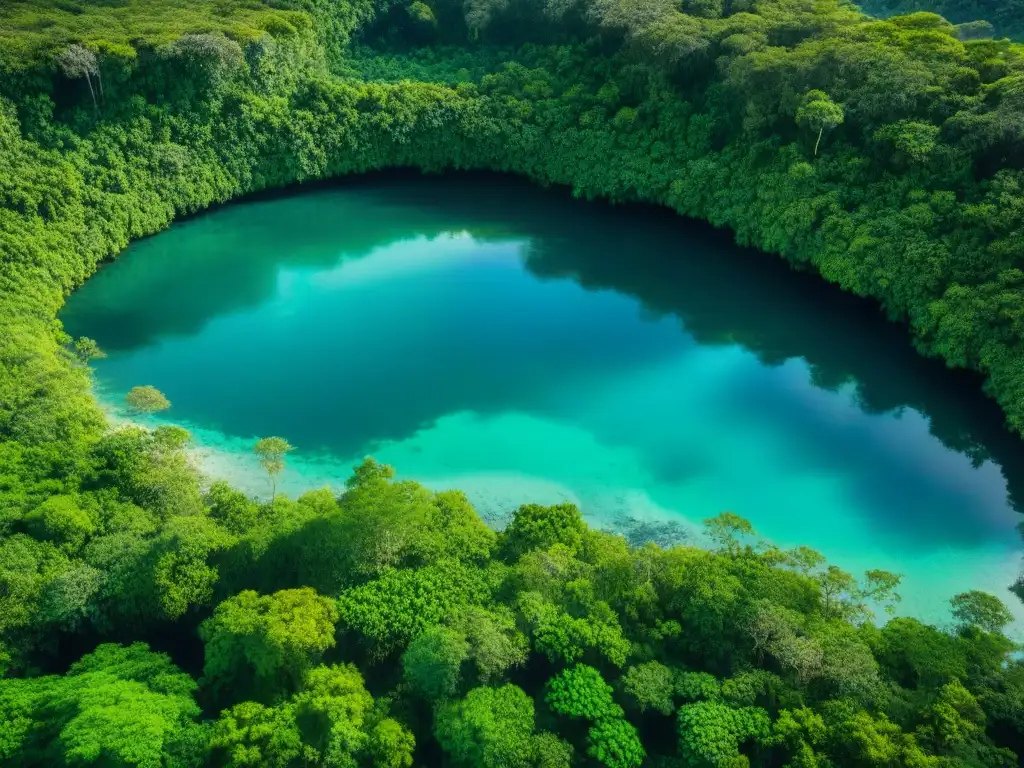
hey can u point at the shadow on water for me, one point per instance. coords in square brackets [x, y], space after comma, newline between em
[725, 294]
[720, 293]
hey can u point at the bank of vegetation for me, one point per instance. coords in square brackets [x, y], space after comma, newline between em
[974, 19]
[146, 620]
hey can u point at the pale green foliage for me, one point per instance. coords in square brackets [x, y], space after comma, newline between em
[495, 643]
[146, 399]
[727, 530]
[391, 745]
[552, 752]
[87, 350]
[60, 520]
[955, 717]
[914, 139]
[847, 664]
[271, 452]
[67, 599]
[981, 609]
[819, 113]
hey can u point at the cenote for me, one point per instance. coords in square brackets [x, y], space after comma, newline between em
[481, 334]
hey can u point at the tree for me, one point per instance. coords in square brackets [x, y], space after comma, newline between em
[146, 399]
[263, 645]
[835, 582]
[330, 721]
[387, 613]
[552, 752]
[560, 636]
[615, 743]
[432, 663]
[710, 733]
[87, 350]
[847, 663]
[878, 586]
[333, 710]
[117, 706]
[818, 112]
[60, 520]
[535, 526]
[180, 575]
[580, 691]
[231, 508]
[251, 735]
[694, 686]
[391, 744]
[271, 452]
[77, 61]
[495, 643]
[67, 600]
[490, 728]
[804, 559]
[726, 530]
[651, 686]
[955, 717]
[981, 609]
[917, 141]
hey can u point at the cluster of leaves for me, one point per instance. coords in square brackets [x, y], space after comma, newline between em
[885, 155]
[975, 20]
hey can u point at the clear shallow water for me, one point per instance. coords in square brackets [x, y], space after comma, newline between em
[481, 334]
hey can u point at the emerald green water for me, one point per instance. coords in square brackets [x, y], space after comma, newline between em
[481, 334]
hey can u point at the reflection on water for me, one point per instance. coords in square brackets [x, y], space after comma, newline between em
[480, 332]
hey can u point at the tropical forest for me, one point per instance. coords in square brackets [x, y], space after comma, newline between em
[512, 383]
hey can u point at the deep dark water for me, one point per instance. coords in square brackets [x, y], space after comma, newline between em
[480, 333]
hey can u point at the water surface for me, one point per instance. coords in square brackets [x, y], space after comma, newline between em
[481, 334]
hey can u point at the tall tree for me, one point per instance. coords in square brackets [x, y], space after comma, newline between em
[818, 112]
[271, 452]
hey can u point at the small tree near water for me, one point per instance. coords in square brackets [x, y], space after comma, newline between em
[271, 452]
[147, 399]
[87, 350]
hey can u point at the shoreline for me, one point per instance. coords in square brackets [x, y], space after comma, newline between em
[496, 494]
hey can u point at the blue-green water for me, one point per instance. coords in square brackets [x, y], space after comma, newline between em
[480, 334]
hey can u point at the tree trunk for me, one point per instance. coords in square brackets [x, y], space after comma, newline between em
[820, 131]
[92, 92]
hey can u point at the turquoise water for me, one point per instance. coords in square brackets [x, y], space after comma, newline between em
[481, 334]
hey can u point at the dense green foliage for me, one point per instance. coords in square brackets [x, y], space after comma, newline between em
[147, 620]
[682, 656]
[975, 19]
